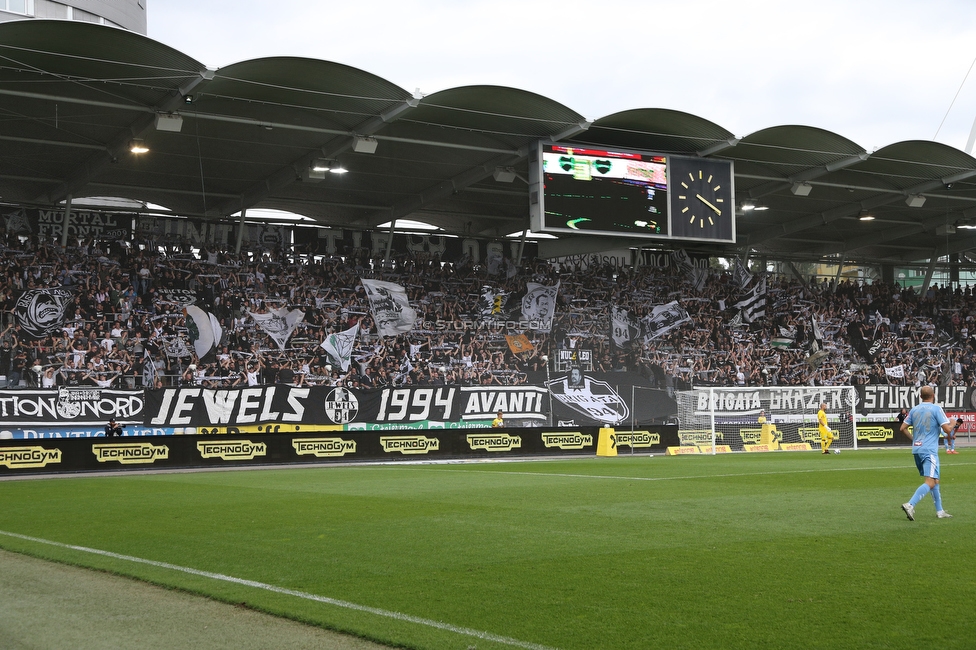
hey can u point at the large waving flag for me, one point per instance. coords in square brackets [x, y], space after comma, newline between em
[390, 306]
[663, 319]
[519, 343]
[279, 323]
[40, 312]
[741, 274]
[204, 330]
[754, 305]
[339, 346]
[623, 329]
[539, 305]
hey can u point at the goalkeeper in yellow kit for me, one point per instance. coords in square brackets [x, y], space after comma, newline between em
[826, 435]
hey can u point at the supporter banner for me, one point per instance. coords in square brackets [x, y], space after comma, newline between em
[55, 455]
[48, 224]
[339, 242]
[882, 399]
[70, 405]
[319, 405]
[777, 400]
[181, 297]
[612, 398]
[587, 399]
[201, 232]
[663, 259]
[184, 231]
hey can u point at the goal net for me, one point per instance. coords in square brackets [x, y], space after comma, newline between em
[731, 417]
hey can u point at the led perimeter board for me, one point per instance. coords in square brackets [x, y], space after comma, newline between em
[579, 190]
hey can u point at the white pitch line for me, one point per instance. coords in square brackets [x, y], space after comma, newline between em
[486, 636]
[681, 478]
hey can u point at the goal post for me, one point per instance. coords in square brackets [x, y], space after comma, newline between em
[742, 419]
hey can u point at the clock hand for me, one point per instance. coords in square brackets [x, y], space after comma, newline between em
[703, 200]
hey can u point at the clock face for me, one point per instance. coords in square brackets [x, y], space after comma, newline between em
[702, 203]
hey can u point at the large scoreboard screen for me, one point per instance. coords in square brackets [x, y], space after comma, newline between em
[579, 190]
[604, 192]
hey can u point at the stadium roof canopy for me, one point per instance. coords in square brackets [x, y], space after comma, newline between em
[74, 95]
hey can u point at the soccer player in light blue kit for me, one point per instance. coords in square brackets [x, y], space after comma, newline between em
[926, 419]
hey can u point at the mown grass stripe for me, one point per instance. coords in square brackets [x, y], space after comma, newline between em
[478, 634]
[689, 477]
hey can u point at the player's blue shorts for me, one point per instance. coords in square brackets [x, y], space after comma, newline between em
[928, 465]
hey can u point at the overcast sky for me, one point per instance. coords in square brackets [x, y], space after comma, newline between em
[876, 72]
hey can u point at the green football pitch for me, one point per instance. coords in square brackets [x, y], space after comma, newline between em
[780, 550]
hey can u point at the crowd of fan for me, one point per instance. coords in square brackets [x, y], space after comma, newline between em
[126, 328]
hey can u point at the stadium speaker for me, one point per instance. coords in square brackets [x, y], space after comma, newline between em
[915, 201]
[801, 189]
[169, 122]
[363, 144]
[504, 174]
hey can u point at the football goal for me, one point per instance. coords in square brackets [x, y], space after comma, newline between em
[777, 417]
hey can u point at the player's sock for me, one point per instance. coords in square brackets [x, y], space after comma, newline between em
[937, 496]
[922, 490]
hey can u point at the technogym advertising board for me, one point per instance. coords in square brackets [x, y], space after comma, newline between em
[55, 455]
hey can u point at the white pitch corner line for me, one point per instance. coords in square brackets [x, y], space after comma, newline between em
[486, 636]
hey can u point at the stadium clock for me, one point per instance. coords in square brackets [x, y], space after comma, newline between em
[702, 199]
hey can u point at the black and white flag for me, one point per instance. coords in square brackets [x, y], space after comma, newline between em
[149, 372]
[390, 307]
[339, 346]
[279, 324]
[181, 297]
[741, 274]
[754, 305]
[682, 260]
[898, 372]
[40, 312]
[663, 319]
[879, 320]
[539, 305]
[698, 278]
[623, 329]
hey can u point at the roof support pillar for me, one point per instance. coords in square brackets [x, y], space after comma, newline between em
[240, 232]
[389, 241]
[798, 275]
[64, 225]
[521, 249]
[929, 272]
